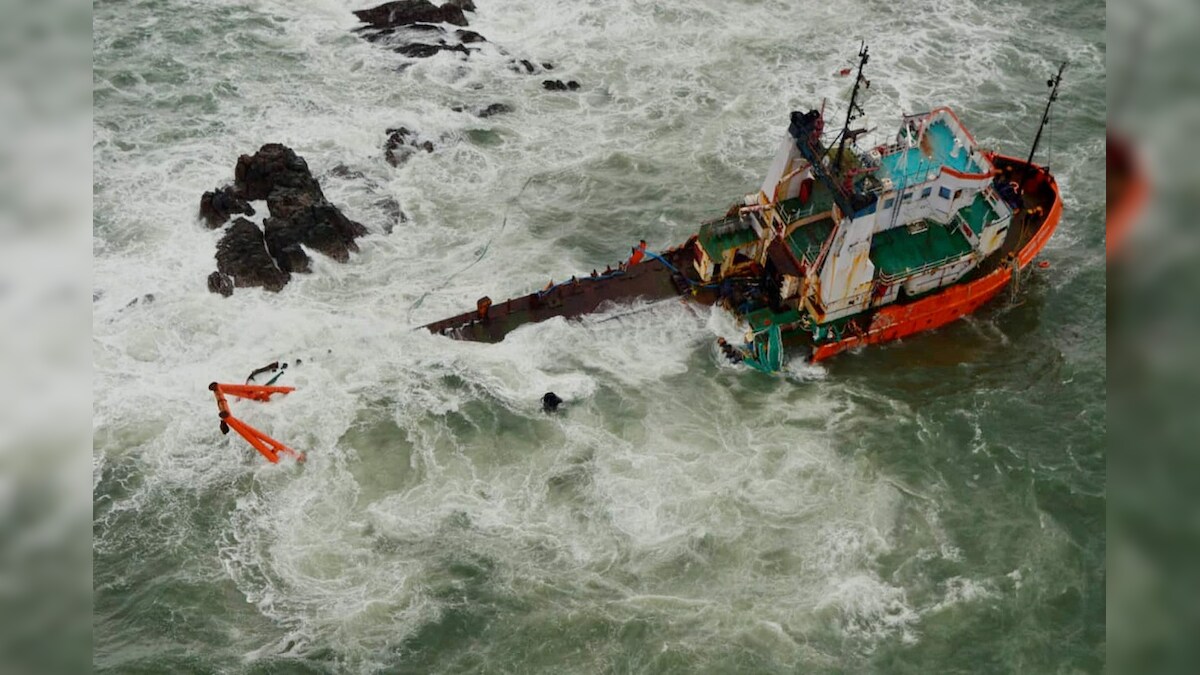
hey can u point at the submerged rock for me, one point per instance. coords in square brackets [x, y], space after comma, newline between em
[467, 37]
[395, 214]
[401, 143]
[220, 283]
[421, 50]
[495, 109]
[559, 85]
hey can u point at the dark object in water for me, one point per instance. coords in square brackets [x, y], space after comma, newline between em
[559, 85]
[550, 402]
[730, 352]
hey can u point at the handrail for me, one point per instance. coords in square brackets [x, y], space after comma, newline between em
[890, 278]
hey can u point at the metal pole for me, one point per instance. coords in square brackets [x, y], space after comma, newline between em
[1053, 83]
[863, 57]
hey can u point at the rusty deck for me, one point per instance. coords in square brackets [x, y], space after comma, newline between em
[651, 279]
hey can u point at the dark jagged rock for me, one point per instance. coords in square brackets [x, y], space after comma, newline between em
[242, 255]
[395, 214]
[559, 85]
[422, 50]
[400, 145]
[274, 165]
[321, 227]
[405, 26]
[285, 201]
[408, 12]
[343, 171]
[494, 109]
[550, 402]
[283, 242]
[467, 37]
[529, 67]
[144, 300]
[220, 283]
[300, 217]
[218, 205]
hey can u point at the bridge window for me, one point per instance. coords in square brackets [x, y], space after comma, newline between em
[908, 196]
[926, 192]
[944, 193]
[887, 204]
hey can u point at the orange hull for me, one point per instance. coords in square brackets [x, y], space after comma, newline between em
[1125, 203]
[897, 321]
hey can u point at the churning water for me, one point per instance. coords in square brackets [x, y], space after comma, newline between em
[935, 505]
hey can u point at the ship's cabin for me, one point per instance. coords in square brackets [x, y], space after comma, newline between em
[925, 214]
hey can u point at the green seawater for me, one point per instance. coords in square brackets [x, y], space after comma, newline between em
[935, 505]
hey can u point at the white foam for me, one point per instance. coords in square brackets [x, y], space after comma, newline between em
[725, 495]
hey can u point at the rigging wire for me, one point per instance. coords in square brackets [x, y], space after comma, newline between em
[482, 253]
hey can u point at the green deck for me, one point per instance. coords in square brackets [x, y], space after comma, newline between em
[806, 240]
[896, 252]
[763, 318]
[820, 201]
[978, 214]
[721, 235]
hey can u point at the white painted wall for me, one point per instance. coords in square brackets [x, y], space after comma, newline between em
[847, 272]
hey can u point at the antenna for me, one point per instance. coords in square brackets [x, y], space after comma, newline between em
[1053, 84]
[863, 57]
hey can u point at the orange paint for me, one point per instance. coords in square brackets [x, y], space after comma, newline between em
[897, 321]
[968, 176]
[266, 446]
[1128, 205]
[252, 391]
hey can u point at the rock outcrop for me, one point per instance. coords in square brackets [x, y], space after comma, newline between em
[217, 206]
[242, 256]
[416, 28]
[401, 144]
[559, 85]
[300, 218]
[494, 109]
[407, 12]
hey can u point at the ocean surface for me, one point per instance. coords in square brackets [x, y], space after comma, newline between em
[931, 506]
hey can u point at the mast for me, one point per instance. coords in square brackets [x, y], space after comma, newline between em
[1053, 84]
[863, 57]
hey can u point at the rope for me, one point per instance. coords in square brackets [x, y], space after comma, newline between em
[615, 273]
[478, 258]
[546, 291]
[671, 267]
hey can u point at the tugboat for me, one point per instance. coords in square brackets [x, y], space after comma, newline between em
[841, 246]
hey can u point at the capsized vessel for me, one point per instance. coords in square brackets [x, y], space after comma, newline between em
[841, 246]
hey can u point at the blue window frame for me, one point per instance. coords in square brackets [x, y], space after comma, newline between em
[926, 192]
[887, 204]
[944, 193]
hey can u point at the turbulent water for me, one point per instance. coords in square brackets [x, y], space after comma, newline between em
[935, 505]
